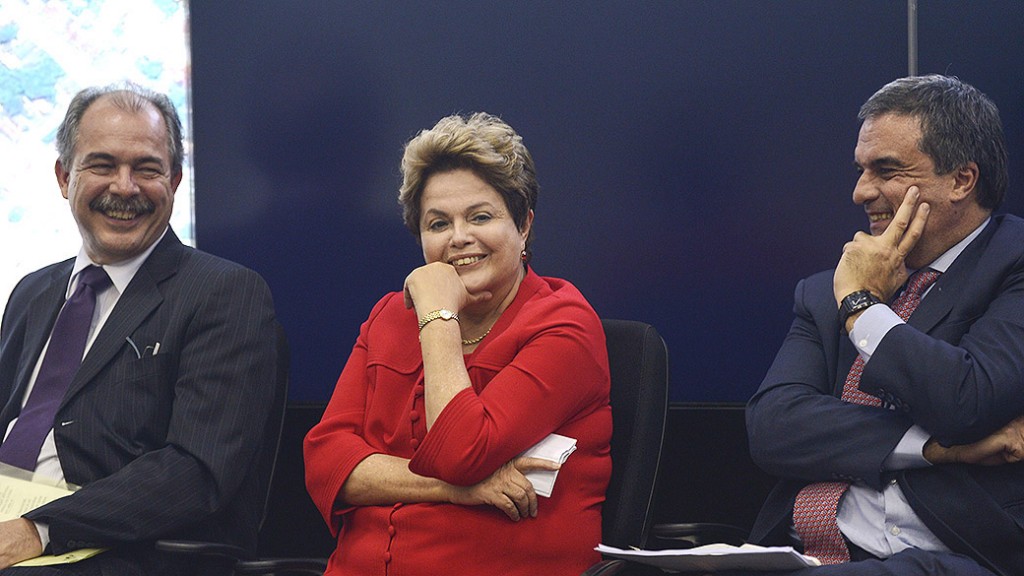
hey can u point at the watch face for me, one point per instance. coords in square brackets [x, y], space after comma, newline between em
[857, 301]
[445, 314]
[860, 298]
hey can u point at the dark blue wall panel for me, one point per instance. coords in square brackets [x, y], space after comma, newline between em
[695, 157]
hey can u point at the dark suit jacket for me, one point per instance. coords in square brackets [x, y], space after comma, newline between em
[956, 369]
[166, 445]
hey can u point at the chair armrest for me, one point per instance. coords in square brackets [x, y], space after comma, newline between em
[237, 560]
[202, 549]
[617, 566]
[278, 566]
[689, 535]
[606, 568]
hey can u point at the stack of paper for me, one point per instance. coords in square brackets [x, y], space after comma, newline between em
[555, 448]
[716, 557]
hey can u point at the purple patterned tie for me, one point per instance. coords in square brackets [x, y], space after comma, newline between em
[814, 513]
[63, 357]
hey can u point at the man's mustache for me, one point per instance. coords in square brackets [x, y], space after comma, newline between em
[133, 204]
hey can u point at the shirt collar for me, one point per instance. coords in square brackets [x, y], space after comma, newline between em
[121, 273]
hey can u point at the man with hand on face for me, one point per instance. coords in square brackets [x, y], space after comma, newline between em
[141, 370]
[889, 412]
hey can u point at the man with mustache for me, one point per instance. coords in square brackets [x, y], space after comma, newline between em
[160, 418]
[889, 412]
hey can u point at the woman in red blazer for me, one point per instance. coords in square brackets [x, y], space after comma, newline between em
[417, 464]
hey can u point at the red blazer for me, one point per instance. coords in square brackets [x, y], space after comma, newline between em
[542, 369]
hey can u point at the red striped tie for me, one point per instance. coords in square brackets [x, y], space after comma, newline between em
[814, 513]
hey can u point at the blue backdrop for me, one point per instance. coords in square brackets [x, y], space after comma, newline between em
[695, 157]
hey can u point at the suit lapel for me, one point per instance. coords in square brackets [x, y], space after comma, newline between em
[140, 299]
[937, 303]
[42, 313]
[951, 286]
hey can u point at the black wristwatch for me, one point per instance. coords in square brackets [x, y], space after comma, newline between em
[855, 302]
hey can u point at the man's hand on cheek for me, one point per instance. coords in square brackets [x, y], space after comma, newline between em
[876, 263]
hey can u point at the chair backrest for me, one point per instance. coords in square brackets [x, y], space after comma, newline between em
[638, 360]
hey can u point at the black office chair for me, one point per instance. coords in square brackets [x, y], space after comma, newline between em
[638, 360]
[209, 558]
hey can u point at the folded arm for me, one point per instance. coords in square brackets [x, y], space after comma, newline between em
[798, 427]
[385, 480]
[1004, 446]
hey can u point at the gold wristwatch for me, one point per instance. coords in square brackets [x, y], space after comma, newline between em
[443, 314]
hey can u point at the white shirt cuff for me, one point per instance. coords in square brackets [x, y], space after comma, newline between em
[870, 327]
[44, 533]
[909, 453]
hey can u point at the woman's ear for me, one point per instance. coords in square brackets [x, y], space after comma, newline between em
[527, 225]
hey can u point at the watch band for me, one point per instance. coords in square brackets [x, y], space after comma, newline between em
[440, 314]
[855, 302]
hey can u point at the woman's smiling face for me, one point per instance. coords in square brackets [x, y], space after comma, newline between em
[465, 222]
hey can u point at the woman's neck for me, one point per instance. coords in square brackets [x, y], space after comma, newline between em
[475, 323]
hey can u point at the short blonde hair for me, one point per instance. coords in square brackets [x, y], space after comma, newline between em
[482, 143]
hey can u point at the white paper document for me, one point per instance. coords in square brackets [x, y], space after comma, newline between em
[716, 557]
[20, 492]
[555, 448]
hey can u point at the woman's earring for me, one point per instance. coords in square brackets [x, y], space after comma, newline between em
[522, 255]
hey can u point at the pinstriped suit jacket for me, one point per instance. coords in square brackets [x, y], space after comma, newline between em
[164, 445]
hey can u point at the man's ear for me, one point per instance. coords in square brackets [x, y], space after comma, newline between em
[965, 181]
[175, 180]
[63, 177]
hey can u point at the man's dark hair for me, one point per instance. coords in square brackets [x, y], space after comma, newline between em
[959, 124]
